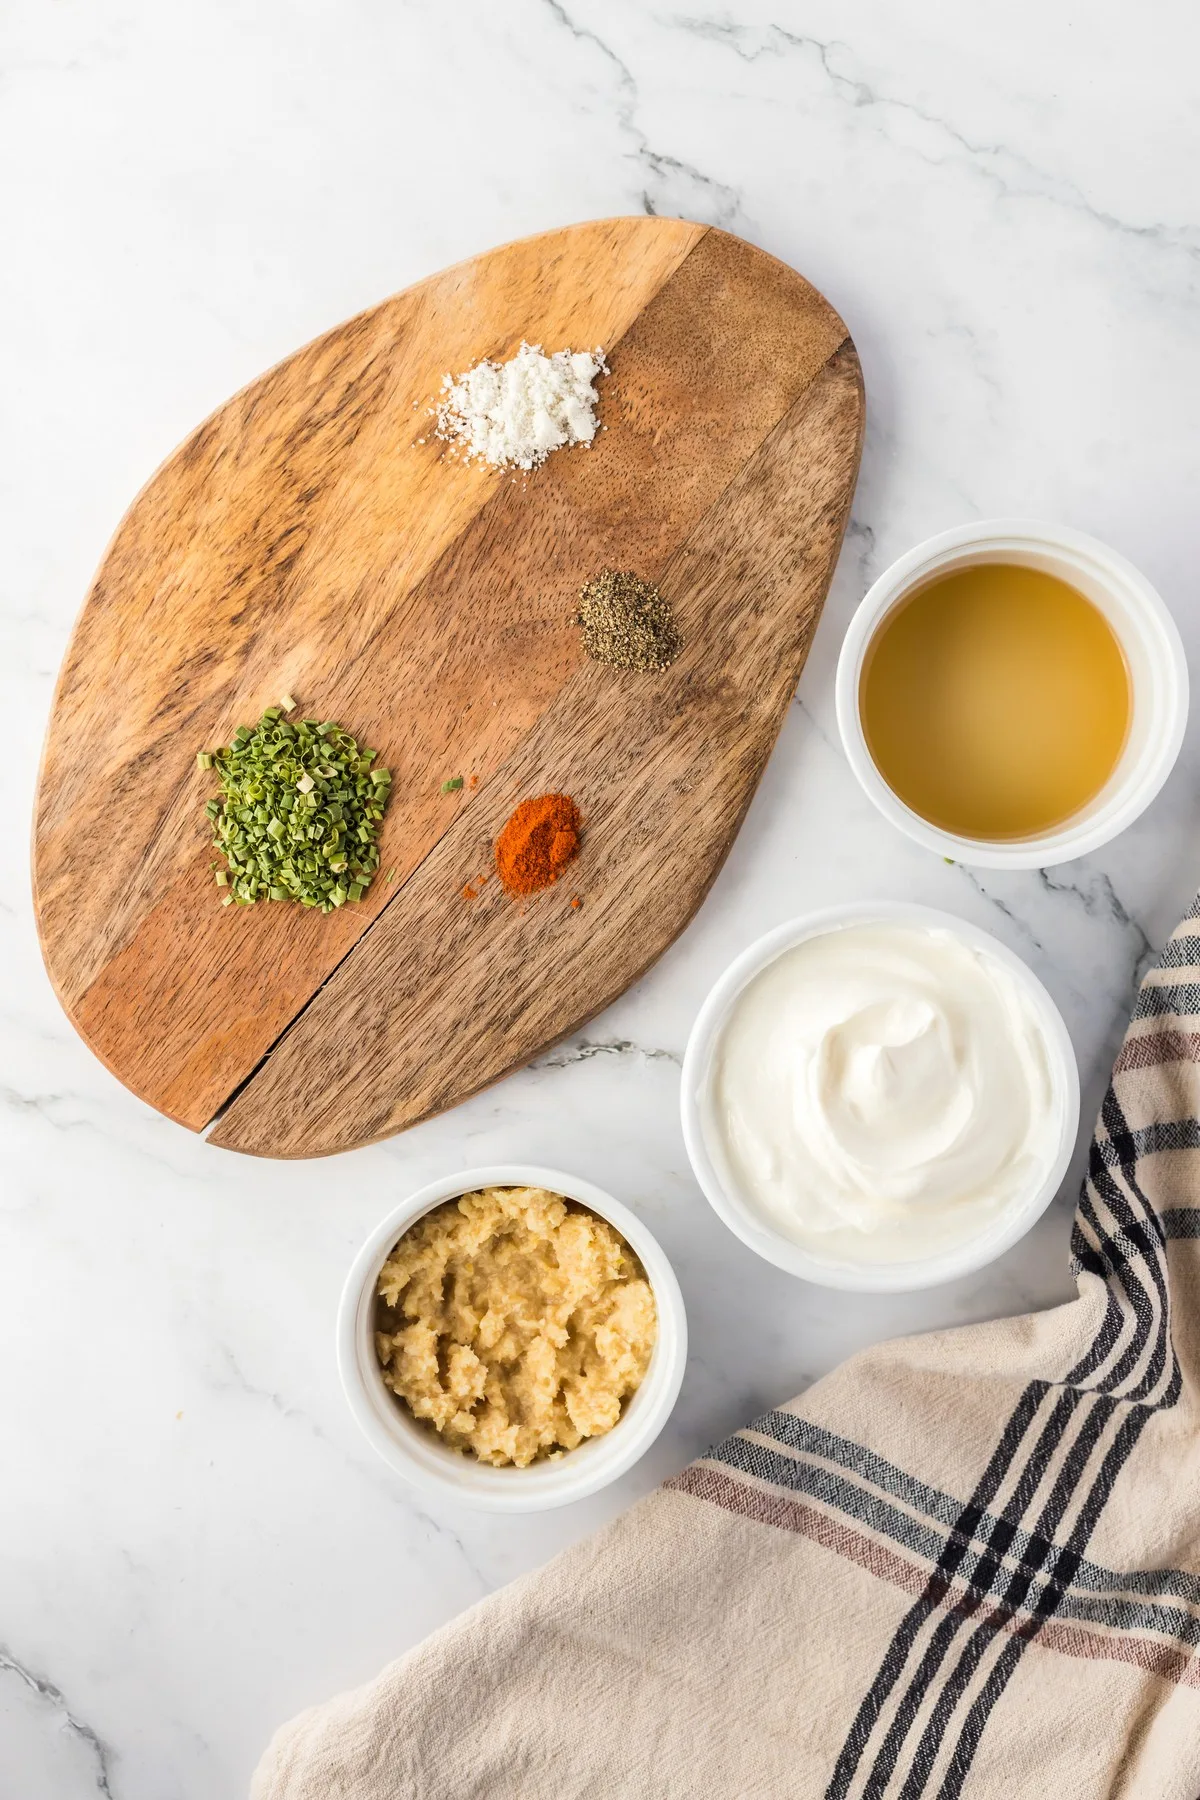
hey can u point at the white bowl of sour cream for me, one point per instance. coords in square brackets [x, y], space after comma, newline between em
[879, 1097]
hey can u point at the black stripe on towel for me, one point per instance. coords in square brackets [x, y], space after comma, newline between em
[963, 1531]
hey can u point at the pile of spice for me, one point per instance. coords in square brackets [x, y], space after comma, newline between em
[513, 414]
[300, 812]
[538, 842]
[625, 622]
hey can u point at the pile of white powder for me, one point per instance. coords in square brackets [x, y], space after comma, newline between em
[513, 414]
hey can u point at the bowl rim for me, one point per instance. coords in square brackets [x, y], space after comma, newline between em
[1159, 634]
[415, 1453]
[764, 1238]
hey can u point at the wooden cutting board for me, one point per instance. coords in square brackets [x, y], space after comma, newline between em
[312, 538]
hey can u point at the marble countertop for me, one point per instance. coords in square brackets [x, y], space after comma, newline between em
[195, 1542]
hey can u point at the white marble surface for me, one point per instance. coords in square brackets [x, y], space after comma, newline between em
[194, 1540]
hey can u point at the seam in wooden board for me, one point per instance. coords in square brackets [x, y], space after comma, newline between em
[750, 791]
[180, 449]
[847, 344]
[451, 548]
[490, 503]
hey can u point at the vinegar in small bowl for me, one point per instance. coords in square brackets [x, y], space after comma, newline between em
[996, 701]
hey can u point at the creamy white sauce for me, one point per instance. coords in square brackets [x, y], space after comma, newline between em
[881, 1092]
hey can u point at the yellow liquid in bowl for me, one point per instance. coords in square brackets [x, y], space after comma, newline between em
[996, 701]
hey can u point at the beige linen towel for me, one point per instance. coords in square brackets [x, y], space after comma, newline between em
[961, 1565]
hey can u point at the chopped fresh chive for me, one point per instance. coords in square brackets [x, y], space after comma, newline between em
[448, 787]
[389, 878]
[299, 812]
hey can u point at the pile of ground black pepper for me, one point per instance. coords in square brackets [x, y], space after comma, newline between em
[624, 621]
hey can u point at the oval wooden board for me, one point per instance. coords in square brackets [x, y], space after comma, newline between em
[305, 540]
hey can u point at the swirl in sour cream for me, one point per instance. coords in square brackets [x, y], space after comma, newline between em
[882, 1091]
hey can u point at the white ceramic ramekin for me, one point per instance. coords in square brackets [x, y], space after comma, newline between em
[1148, 636]
[416, 1452]
[749, 1224]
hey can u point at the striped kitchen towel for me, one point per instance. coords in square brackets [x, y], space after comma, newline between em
[966, 1564]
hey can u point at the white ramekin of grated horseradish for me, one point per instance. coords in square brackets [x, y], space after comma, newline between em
[512, 1337]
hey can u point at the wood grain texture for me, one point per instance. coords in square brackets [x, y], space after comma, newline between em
[303, 541]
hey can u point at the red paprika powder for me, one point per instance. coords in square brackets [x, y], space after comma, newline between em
[538, 842]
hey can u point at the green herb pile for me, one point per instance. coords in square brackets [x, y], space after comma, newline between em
[300, 814]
